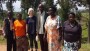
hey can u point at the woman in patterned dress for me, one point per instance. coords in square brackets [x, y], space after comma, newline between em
[52, 27]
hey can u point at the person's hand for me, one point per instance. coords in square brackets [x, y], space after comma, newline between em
[4, 36]
[14, 37]
[37, 38]
[45, 38]
[3, 33]
[79, 45]
[37, 33]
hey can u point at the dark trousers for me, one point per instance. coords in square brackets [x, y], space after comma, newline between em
[11, 43]
[33, 39]
[43, 43]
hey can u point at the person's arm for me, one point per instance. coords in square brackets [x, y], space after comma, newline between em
[37, 24]
[27, 26]
[12, 27]
[46, 28]
[14, 30]
[59, 26]
[80, 36]
[4, 34]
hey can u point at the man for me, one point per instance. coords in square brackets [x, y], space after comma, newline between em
[8, 30]
[41, 18]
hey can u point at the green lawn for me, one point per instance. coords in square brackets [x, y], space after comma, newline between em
[2, 40]
[85, 45]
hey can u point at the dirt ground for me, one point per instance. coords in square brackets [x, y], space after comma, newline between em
[3, 47]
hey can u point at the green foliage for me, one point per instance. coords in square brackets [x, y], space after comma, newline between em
[26, 4]
[1, 9]
[2, 40]
[65, 8]
[49, 3]
[78, 16]
[85, 47]
[9, 5]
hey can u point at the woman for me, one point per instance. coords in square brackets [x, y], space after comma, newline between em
[20, 33]
[72, 34]
[31, 28]
[7, 29]
[52, 27]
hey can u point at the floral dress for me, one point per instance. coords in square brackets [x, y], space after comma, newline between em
[53, 35]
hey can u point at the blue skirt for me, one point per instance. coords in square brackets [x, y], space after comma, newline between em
[70, 46]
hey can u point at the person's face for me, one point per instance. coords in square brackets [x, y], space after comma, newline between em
[31, 13]
[9, 15]
[41, 8]
[71, 17]
[19, 16]
[50, 11]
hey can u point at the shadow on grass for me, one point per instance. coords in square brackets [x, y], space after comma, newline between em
[84, 40]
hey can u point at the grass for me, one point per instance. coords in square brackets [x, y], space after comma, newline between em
[85, 47]
[2, 40]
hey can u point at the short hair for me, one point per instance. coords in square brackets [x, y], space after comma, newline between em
[54, 8]
[41, 5]
[9, 13]
[72, 14]
[30, 9]
[19, 14]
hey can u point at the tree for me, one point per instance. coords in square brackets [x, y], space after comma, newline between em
[1, 9]
[88, 1]
[9, 5]
[87, 4]
[65, 8]
[26, 4]
[49, 3]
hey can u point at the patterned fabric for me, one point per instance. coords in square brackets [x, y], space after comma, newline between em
[53, 37]
[70, 46]
[22, 43]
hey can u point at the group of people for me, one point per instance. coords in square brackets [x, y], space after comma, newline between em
[48, 27]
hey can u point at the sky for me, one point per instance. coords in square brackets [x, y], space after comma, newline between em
[17, 4]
